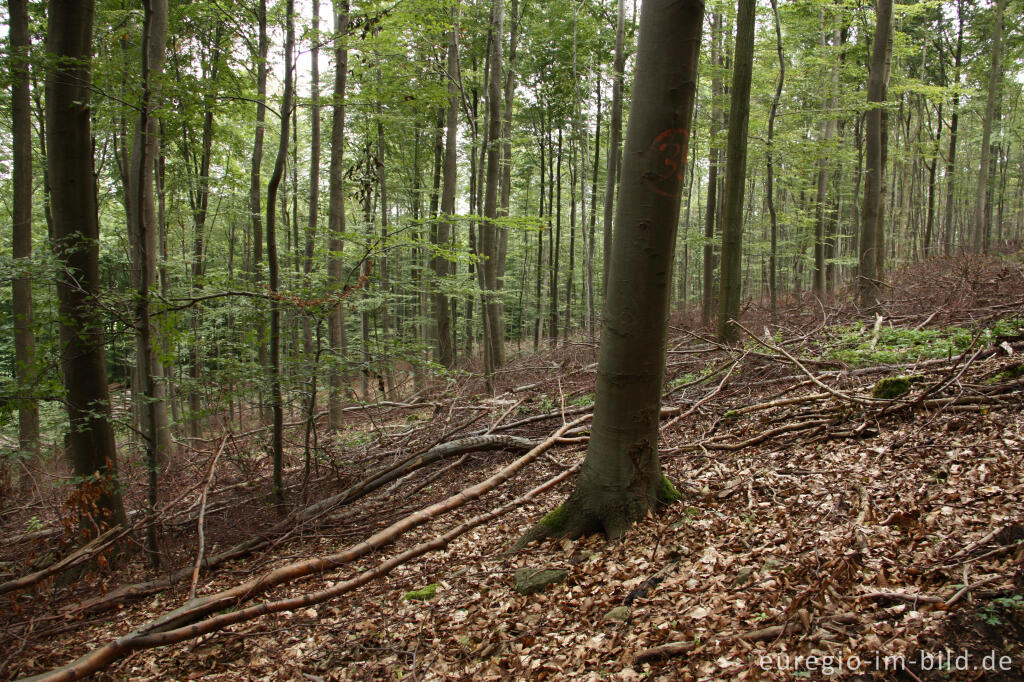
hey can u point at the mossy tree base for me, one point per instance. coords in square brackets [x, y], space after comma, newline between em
[609, 511]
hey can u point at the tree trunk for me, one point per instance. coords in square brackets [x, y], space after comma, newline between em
[947, 229]
[770, 179]
[982, 225]
[277, 444]
[142, 224]
[494, 324]
[255, 181]
[442, 319]
[714, 155]
[621, 480]
[337, 337]
[21, 219]
[314, 170]
[76, 228]
[867, 275]
[614, 136]
[735, 174]
[200, 200]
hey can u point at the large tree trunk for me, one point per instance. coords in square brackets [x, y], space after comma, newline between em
[735, 174]
[141, 215]
[621, 479]
[440, 264]
[867, 275]
[277, 444]
[21, 219]
[338, 339]
[982, 225]
[494, 325]
[76, 229]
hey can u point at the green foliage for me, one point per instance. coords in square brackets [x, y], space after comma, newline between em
[856, 345]
[996, 611]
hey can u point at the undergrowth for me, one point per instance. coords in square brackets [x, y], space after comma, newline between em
[856, 344]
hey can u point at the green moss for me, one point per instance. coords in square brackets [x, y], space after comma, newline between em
[424, 594]
[893, 387]
[555, 519]
[668, 493]
[1014, 371]
[731, 415]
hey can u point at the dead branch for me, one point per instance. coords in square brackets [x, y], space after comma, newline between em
[202, 517]
[307, 514]
[186, 622]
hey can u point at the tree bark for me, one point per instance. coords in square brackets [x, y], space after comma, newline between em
[982, 225]
[614, 136]
[867, 276]
[336, 219]
[76, 228]
[770, 175]
[314, 170]
[621, 480]
[277, 441]
[21, 219]
[495, 325]
[735, 173]
[954, 121]
[442, 319]
[707, 309]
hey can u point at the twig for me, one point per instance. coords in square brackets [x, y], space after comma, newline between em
[202, 517]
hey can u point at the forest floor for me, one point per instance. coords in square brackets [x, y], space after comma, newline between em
[823, 531]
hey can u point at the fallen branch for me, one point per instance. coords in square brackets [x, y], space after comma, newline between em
[187, 622]
[305, 515]
[202, 517]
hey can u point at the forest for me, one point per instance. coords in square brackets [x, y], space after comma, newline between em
[511, 339]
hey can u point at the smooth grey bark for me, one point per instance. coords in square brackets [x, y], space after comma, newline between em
[141, 214]
[440, 263]
[337, 338]
[735, 173]
[277, 439]
[711, 216]
[825, 128]
[982, 225]
[770, 174]
[314, 169]
[614, 136]
[76, 230]
[867, 275]
[21, 220]
[199, 198]
[954, 122]
[494, 327]
[255, 177]
[621, 480]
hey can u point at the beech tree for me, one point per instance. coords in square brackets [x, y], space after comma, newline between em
[91, 442]
[621, 478]
[736, 173]
[867, 286]
[21, 219]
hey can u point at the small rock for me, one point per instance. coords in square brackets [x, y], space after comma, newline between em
[530, 580]
[619, 613]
